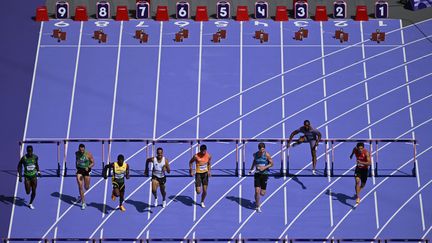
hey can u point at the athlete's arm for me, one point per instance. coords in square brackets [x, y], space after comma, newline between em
[167, 166]
[148, 160]
[270, 160]
[295, 132]
[20, 164]
[90, 157]
[352, 153]
[209, 165]
[253, 165]
[37, 165]
[127, 171]
[192, 160]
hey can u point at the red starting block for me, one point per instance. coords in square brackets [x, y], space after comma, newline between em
[162, 13]
[341, 36]
[59, 35]
[81, 13]
[122, 13]
[321, 13]
[261, 36]
[201, 13]
[100, 36]
[281, 13]
[378, 36]
[242, 13]
[41, 14]
[141, 36]
[301, 34]
[361, 13]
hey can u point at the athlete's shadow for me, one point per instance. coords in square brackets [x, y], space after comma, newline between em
[65, 198]
[9, 200]
[141, 207]
[186, 200]
[246, 203]
[343, 198]
[100, 207]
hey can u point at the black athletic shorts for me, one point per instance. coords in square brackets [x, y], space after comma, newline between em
[362, 174]
[201, 178]
[83, 172]
[119, 185]
[161, 181]
[260, 180]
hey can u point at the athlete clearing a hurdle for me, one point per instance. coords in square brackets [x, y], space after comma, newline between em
[312, 136]
[361, 171]
[261, 165]
[31, 171]
[120, 170]
[84, 163]
[160, 166]
[203, 167]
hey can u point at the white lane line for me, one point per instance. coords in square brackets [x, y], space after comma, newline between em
[69, 125]
[240, 156]
[369, 121]
[412, 125]
[26, 125]
[283, 117]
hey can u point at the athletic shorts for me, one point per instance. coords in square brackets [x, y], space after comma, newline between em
[30, 178]
[83, 172]
[119, 185]
[260, 180]
[201, 178]
[362, 174]
[161, 181]
[311, 142]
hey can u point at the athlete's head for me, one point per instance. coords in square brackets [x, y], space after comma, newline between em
[360, 146]
[203, 149]
[81, 148]
[30, 150]
[307, 125]
[120, 159]
[261, 147]
[159, 153]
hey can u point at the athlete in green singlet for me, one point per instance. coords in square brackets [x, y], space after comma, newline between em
[31, 171]
[84, 163]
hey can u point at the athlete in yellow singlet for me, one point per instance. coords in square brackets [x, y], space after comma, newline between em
[120, 171]
[202, 169]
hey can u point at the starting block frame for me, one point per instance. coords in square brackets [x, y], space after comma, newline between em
[262, 36]
[59, 35]
[341, 35]
[378, 36]
[301, 34]
[100, 36]
[141, 36]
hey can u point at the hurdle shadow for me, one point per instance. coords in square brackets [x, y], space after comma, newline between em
[186, 200]
[141, 207]
[245, 203]
[342, 198]
[8, 200]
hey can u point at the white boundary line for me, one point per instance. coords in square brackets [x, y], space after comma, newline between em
[427, 232]
[326, 118]
[412, 125]
[69, 125]
[26, 125]
[369, 121]
[112, 116]
[283, 117]
[240, 154]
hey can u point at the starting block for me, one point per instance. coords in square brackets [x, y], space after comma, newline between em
[181, 35]
[100, 36]
[261, 36]
[341, 36]
[378, 36]
[221, 34]
[301, 34]
[41, 14]
[141, 36]
[59, 35]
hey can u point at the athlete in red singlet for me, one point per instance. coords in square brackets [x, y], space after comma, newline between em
[362, 168]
